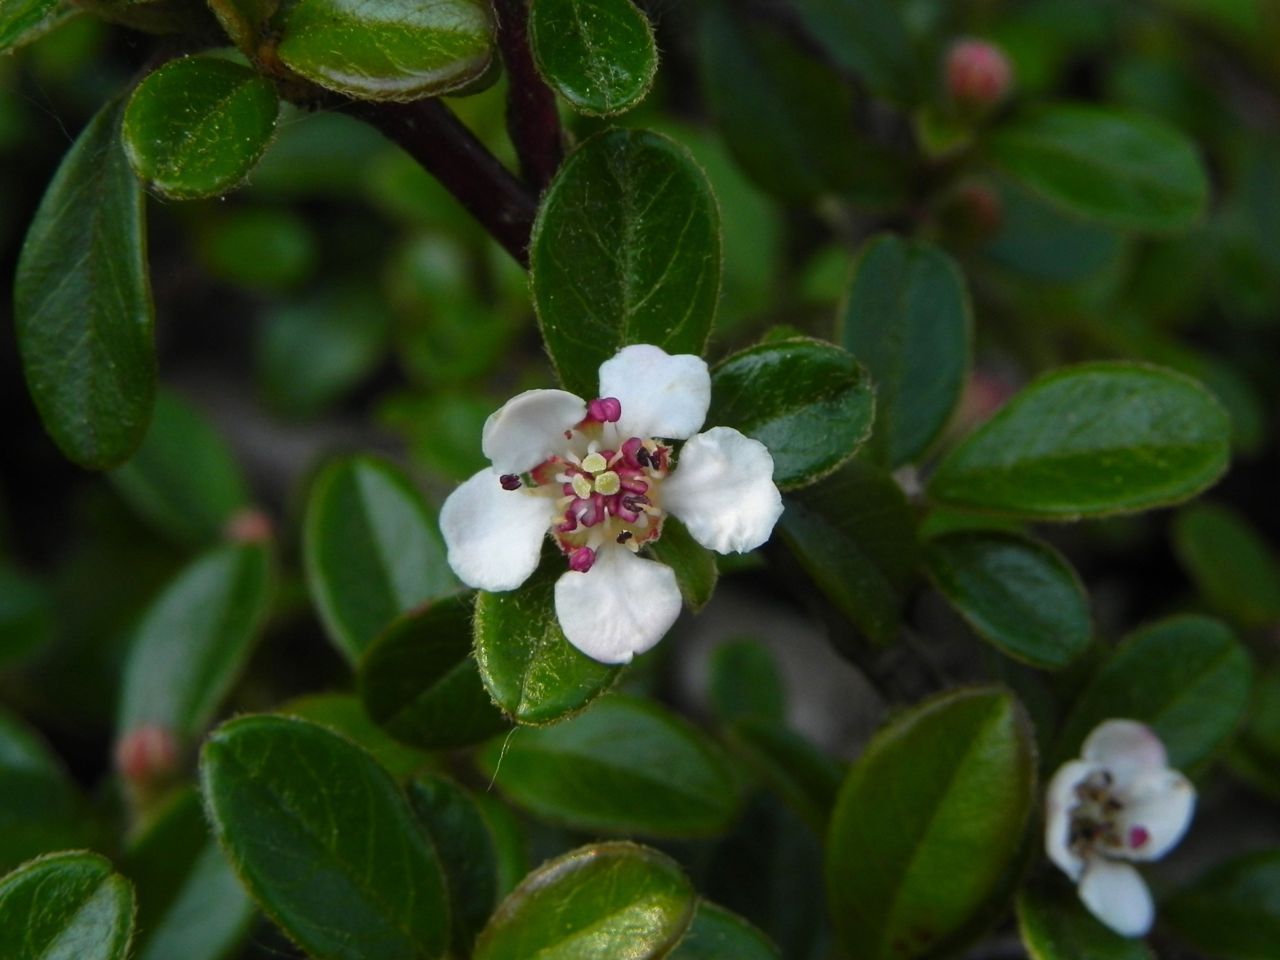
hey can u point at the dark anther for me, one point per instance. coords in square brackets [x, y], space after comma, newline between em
[510, 481]
[642, 457]
[634, 501]
[625, 535]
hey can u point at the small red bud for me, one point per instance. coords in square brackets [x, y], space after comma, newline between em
[978, 74]
[981, 207]
[147, 755]
[249, 525]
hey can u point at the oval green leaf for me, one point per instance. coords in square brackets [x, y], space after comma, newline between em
[717, 934]
[809, 402]
[1229, 561]
[1116, 167]
[22, 21]
[344, 714]
[82, 302]
[625, 249]
[1088, 441]
[196, 127]
[1056, 926]
[870, 38]
[597, 54]
[928, 824]
[605, 900]
[744, 681]
[419, 681]
[1233, 911]
[274, 784]
[802, 776]
[694, 565]
[626, 766]
[390, 50]
[1017, 592]
[65, 906]
[907, 318]
[372, 550]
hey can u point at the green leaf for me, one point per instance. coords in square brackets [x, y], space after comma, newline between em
[66, 906]
[360, 880]
[694, 565]
[82, 302]
[259, 248]
[1229, 561]
[1233, 911]
[190, 902]
[1017, 592]
[343, 714]
[245, 21]
[805, 778]
[870, 38]
[183, 479]
[717, 934]
[809, 402]
[626, 765]
[532, 672]
[625, 249]
[1119, 168]
[419, 681]
[1090, 440]
[907, 318]
[195, 639]
[1056, 926]
[391, 50]
[928, 824]
[197, 126]
[372, 550]
[597, 54]
[854, 533]
[605, 900]
[744, 682]
[22, 21]
[26, 615]
[1186, 677]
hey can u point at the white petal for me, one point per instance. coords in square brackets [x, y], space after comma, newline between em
[1159, 805]
[494, 535]
[620, 607]
[1059, 801]
[1118, 896]
[529, 428]
[722, 489]
[1126, 748]
[661, 395]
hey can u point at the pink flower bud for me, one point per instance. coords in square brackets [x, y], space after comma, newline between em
[250, 525]
[147, 755]
[978, 74]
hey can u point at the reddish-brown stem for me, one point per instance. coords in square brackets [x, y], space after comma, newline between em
[532, 120]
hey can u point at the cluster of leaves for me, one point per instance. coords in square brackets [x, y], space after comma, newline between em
[871, 261]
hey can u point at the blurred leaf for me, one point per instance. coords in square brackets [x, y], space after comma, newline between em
[626, 249]
[392, 50]
[1186, 677]
[809, 402]
[419, 682]
[1231, 564]
[1123, 437]
[360, 881]
[907, 318]
[443, 430]
[65, 902]
[717, 934]
[597, 54]
[694, 565]
[744, 682]
[625, 766]
[1056, 926]
[82, 302]
[194, 640]
[195, 127]
[870, 39]
[1120, 168]
[854, 533]
[372, 550]
[605, 900]
[245, 21]
[938, 803]
[1254, 755]
[184, 479]
[22, 21]
[260, 248]
[26, 615]
[1233, 911]
[805, 778]
[1017, 592]
[343, 714]
[317, 154]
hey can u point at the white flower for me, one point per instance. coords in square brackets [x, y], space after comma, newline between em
[1118, 803]
[600, 477]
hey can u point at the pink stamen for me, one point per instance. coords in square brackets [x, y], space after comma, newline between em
[582, 559]
[604, 410]
[1138, 837]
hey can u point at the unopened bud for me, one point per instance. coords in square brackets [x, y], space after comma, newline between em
[249, 525]
[147, 755]
[978, 75]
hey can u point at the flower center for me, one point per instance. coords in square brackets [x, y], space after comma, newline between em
[1097, 821]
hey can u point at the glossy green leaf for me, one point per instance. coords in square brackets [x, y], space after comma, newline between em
[1056, 926]
[244, 20]
[22, 21]
[597, 54]
[1120, 168]
[625, 249]
[196, 127]
[809, 402]
[605, 900]
[854, 533]
[1120, 437]
[1229, 561]
[324, 841]
[626, 765]
[1186, 677]
[183, 479]
[190, 902]
[717, 934]
[907, 318]
[1233, 911]
[372, 550]
[928, 824]
[391, 50]
[419, 681]
[870, 38]
[694, 564]
[1017, 592]
[745, 682]
[344, 714]
[66, 906]
[82, 302]
[195, 639]
[805, 778]
[532, 672]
